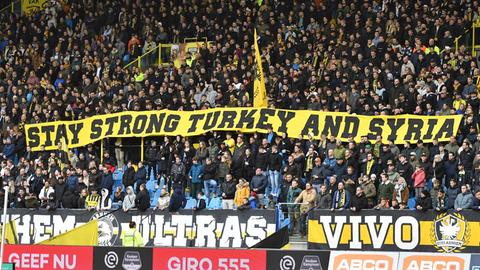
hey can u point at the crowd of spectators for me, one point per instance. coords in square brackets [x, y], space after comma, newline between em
[368, 57]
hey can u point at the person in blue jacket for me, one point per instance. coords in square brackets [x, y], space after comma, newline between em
[195, 176]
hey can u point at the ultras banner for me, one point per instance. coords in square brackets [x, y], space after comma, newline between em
[217, 228]
[395, 230]
[190, 123]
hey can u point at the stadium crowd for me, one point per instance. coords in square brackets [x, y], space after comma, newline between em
[368, 57]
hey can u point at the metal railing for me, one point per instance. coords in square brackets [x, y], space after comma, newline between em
[162, 54]
[12, 7]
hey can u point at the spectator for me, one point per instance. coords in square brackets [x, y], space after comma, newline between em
[341, 198]
[369, 189]
[424, 203]
[476, 201]
[105, 200]
[70, 200]
[245, 205]
[358, 201]
[400, 195]
[258, 185]
[209, 172]
[20, 199]
[142, 200]
[274, 167]
[128, 177]
[324, 199]
[228, 189]
[242, 191]
[163, 201]
[195, 174]
[45, 194]
[452, 193]
[92, 201]
[293, 208]
[464, 200]
[129, 200]
[418, 180]
[118, 196]
[440, 204]
[385, 192]
[177, 201]
[106, 181]
[140, 176]
[308, 198]
[201, 202]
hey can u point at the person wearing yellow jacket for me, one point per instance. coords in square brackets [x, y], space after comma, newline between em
[243, 191]
[131, 237]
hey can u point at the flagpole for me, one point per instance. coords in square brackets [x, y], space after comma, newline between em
[4, 223]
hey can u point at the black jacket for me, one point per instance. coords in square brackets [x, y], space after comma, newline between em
[261, 161]
[209, 171]
[425, 203]
[275, 162]
[128, 178]
[229, 188]
[359, 202]
[142, 200]
[177, 201]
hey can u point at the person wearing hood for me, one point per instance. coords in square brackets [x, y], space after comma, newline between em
[105, 201]
[201, 201]
[391, 173]
[242, 191]
[400, 194]
[142, 200]
[163, 200]
[177, 201]
[129, 200]
[424, 203]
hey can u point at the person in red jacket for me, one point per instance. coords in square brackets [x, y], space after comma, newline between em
[418, 178]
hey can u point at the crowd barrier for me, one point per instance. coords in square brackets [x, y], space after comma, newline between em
[395, 230]
[85, 258]
[187, 228]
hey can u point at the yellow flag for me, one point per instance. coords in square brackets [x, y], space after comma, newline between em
[84, 235]
[259, 91]
[10, 233]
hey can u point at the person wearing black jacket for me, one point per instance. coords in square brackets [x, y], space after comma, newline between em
[69, 199]
[142, 201]
[201, 202]
[59, 191]
[177, 201]
[140, 175]
[274, 167]
[209, 172]
[424, 203]
[128, 177]
[258, 185]
[151, 158]
[358, 201]
[228, 189]
[261, 159]
[405, 169]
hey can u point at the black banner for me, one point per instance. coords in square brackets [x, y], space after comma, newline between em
[297, 259]
[395, 230]
[215, 228]
[122, 258]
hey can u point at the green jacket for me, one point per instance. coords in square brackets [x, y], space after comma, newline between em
[292, 194]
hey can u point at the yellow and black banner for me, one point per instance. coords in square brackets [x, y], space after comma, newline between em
[402, 230]
[344, 126]
[30, 7]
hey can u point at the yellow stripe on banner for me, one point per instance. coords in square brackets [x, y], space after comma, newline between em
[317, 234]
[295, 123]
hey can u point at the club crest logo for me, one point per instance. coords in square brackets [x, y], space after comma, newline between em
[108, 228]
[450, 232]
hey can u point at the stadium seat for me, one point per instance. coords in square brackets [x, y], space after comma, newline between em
[191, 203]
[215, 203]
[411, 203]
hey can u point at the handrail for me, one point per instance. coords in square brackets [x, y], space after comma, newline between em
[10, 6]
[139, 58]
